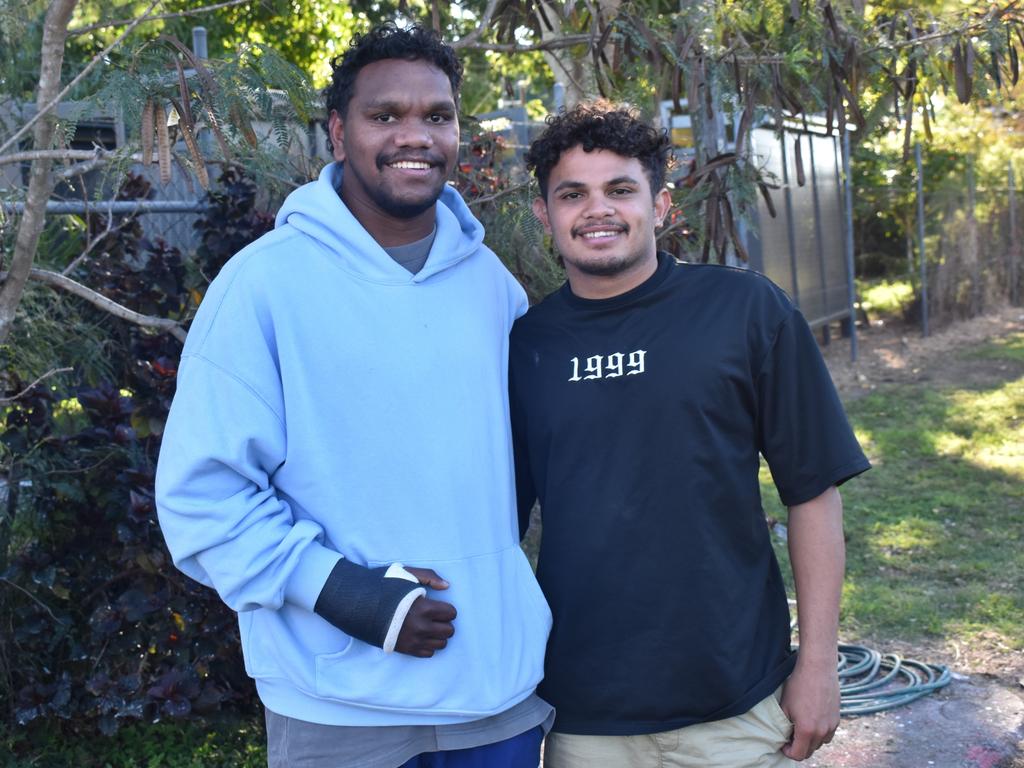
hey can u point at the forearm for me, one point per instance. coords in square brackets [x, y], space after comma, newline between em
[817, 553]
[369, 604]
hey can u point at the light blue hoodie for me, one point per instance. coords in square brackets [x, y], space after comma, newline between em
[330, 404]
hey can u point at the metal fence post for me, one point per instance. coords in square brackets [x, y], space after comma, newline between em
[790, 226]
[1014, 241]
[826, 335]
[972, 233]
[851, 292]
[920, 240]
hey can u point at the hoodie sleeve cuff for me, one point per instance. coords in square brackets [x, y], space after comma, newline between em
[308, 579]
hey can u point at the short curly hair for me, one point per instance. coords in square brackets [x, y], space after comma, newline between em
[388, 41]
[600, 125]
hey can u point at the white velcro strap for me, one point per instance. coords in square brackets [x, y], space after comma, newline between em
[400, 613]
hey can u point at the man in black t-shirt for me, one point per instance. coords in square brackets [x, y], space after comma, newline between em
[643, 394]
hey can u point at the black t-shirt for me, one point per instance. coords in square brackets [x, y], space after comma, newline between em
[637, 422]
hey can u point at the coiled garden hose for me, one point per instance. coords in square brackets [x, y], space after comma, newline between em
[870, 682]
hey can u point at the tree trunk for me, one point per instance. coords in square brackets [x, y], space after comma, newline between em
[40, 184]
[575, 72]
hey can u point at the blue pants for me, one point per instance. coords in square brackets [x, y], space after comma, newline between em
[522, 751]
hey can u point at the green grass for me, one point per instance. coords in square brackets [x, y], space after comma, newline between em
[935, 538]
[231, 744]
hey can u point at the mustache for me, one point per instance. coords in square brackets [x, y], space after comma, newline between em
[434, 160]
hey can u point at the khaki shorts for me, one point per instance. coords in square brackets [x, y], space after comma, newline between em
[750, 740]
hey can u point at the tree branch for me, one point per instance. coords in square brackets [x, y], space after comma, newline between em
[40, 184]
[485, 22]
[496, 195]
[963, 29]
[26, 390]
[52, 154]
[45, 110]
[161, 17]
[548, 45]
[38, 602]
[57, 280]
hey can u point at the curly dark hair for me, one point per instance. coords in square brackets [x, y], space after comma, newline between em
[388, 41]
[600, 125]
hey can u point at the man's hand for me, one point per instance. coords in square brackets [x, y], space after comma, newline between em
[810, 699]
[428, 625]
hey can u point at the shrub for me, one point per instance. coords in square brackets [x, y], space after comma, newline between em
[98, 628]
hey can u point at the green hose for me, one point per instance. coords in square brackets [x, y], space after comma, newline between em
[870, 682]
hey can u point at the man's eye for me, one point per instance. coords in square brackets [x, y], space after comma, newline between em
[438, 119]
[622, 191]
[571, 196]
[384, 117]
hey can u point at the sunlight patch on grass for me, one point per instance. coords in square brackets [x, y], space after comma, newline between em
[950, 444]
[989, 428]
[1009, 348]
[906, 536]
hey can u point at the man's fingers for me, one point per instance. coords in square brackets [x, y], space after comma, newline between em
[440, 611]
[799, 747]
[428, 577]
[805, 743]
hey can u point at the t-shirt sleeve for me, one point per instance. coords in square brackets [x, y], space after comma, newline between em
[803, 432]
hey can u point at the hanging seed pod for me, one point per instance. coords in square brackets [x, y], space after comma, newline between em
[242, 124]
[193, 149]
[768, 202]
[185, 107]
[798, 161]
[994, 63]
[829, 107]
[1014, 64]
[163, 142]
[146, 131]
[961, 78]
[734, 235]
[211, 118]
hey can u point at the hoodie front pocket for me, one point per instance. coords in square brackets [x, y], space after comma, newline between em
[495, 658]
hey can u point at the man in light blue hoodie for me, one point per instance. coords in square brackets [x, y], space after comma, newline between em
[337, 461]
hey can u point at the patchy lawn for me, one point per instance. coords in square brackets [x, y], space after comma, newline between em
[935, 532]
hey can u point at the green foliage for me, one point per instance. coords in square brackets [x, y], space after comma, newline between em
[227, 743]
[890, 298]
[934, 545]
[99, 630]
[501, 202]
[21, 34]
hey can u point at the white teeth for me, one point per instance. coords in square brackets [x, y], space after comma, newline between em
[603, 233]
[411, 165]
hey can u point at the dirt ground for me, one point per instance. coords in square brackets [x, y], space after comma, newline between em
[978, 720]
[896, 352]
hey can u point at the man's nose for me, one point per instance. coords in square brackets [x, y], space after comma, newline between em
[598, 207]
[413, 134]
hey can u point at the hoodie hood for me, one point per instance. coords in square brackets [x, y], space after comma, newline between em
[316, 210]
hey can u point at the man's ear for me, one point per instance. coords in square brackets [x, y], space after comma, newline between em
[540, 210]
[336, 129]
[662, 205]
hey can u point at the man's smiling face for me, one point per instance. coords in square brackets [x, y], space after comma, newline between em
[602, 214]
[399, 141]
